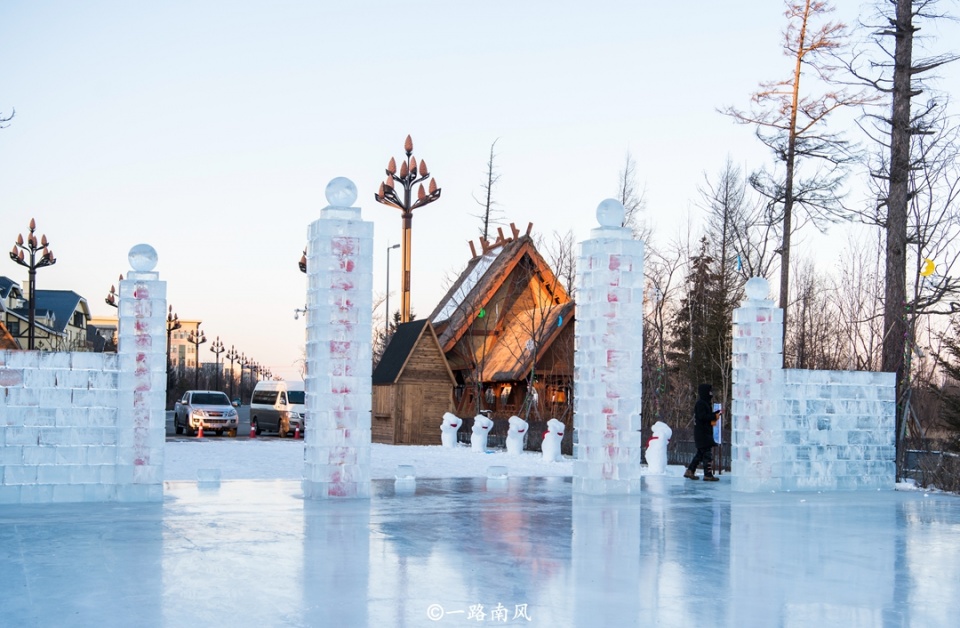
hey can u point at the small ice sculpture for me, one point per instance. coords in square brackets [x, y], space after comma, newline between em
[481, 429]
[448, 429]
[657, 448]
[551, 440]
[516, 435]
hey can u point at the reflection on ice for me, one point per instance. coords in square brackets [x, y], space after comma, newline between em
[676, 554]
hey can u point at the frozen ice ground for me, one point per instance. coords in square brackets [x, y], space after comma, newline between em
[462, 551]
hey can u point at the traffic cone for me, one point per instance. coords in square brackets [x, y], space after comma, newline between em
[253, 432]
[200, 431]
[296, 434]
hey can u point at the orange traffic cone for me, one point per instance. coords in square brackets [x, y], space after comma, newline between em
[200, 431]
[253, 432]
[296, 433]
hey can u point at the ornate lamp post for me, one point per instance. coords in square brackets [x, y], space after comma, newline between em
[31, 263]
[173, 323]
[410, 174]
[216, 348]
[233, 356]
[196, 338]
[243, 365]
[113, 299]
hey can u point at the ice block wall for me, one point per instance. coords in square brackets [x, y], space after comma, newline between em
[78, 426]
[803, 429]
[608, 358]
[339, 350]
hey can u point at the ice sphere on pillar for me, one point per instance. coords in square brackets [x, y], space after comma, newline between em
[516, 435]
[610, 213]
[481, 429]
[448, 429]
[551, 440]
[341, 192]
[142, 258]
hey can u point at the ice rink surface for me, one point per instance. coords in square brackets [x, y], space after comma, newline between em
[457, 552]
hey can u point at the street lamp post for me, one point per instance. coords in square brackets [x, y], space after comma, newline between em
[31, 263]
[173, 323]
[410, 174]
[196, 338]
[233, 356]
[216, 348]
[386, 327]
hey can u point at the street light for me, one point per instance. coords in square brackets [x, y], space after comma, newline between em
[243, 365]
[173, 323]
[32, 264]
[233, 356]
[410, 175]
[216, 348]
[386, 327]
[196, 338]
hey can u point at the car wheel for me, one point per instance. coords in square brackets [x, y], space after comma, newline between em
[176, 426]
[219, 432]
[189, 429]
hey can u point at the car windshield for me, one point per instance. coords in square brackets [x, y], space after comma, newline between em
[296, 397]
[211, 399]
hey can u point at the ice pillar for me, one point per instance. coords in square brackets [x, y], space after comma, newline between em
[142, 384]
[339, 350]
[608, 358]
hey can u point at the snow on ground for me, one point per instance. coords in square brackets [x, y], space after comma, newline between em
[271, 459]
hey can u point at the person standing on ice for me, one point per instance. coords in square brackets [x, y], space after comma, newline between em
[704, 418]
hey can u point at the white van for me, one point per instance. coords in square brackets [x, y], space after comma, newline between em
[277, 406]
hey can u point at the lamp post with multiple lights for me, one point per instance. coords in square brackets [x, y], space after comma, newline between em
[409, 175]
[196, 338]
[233, 356]
[25, 254]
[216, 348]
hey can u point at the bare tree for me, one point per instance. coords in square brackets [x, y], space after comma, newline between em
[491, 214]
[792, 125]
[6, 118]
[560, 252]
[893, 69]
[633, 198]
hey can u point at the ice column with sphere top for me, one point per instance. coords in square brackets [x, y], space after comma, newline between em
[608, 357]
[142, 384]
[339, 351]
[757, 432]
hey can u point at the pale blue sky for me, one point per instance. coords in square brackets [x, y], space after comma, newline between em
[210, 130]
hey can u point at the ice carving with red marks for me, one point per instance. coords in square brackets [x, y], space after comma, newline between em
[612, 297]
[614, 262]
[343, 246]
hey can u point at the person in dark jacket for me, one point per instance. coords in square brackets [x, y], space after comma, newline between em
[704, 418]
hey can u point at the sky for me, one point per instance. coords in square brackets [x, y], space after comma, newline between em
[210, 130]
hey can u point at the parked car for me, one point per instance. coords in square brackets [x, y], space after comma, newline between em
[277, 406]
[208, 408]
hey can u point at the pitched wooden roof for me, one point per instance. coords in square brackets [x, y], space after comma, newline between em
[502, 351]
[404, 342]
